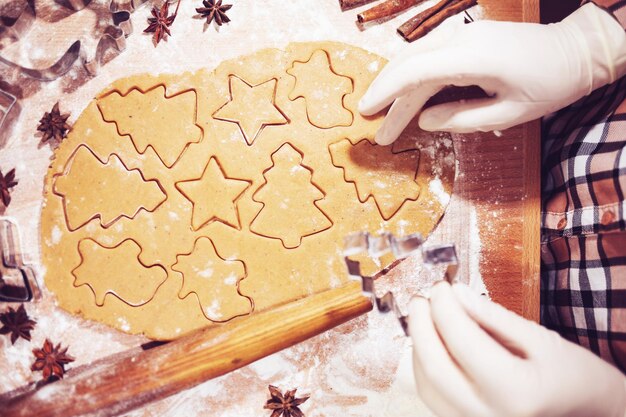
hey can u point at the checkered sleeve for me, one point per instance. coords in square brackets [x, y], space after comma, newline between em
[583, 249]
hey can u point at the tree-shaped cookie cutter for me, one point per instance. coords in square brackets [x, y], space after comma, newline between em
[377, 246]
[13, 266]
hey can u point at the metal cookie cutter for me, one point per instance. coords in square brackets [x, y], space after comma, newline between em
[13, 269]
[113, 27]
[9, 110]
[377, 246]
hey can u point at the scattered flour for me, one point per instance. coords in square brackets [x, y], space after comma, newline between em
[56, 235]
[208, 270]
[124, 325]
[214, 310]
[475, 246]
[436, 187]
[230, 280]
[373, 66]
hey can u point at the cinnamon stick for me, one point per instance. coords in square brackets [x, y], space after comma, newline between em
[413, 23]
[386, 9]
[351, 4]
[428, 20]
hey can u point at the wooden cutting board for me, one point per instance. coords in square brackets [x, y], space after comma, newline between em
[502, 178]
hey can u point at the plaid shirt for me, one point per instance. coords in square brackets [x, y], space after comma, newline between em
[583, 231]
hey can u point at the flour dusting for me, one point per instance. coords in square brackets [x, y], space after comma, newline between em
[436, 187]
[475, 248]
[56, 235]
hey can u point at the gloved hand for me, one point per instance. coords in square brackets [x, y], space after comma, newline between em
[473, 357]
[529, 70]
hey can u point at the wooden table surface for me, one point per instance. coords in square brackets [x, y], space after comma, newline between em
[511, 266]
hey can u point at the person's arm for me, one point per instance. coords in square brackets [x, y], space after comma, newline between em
[529, 70]
[617, 8]
[473, 357]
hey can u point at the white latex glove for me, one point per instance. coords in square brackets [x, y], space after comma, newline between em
[529, 70]
[473, 357]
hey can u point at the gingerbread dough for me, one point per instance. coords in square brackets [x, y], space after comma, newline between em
[183, 201]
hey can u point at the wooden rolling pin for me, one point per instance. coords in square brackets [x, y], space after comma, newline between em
[122, 383]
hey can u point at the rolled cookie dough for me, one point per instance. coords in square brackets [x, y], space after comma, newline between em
[181, 201]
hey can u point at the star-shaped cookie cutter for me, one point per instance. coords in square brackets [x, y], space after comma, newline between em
[377, 246]
[14, 267]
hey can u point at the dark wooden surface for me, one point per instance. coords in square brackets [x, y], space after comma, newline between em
[504, 179]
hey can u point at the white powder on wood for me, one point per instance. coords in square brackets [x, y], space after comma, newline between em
[475, 248]
[436, 187]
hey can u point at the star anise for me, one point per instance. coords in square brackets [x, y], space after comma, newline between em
[53, 124]
[287, 405]
[6, 183]
[214, 10]
[160, 22]
[51, 360]
[17, 323]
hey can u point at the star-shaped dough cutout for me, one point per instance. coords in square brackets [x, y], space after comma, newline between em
[251, 107]
[214, 196]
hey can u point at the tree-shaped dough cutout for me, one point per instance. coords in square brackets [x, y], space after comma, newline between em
[323, 90]
[153, 119]
[379, 173]
[289, 198]
[214, 279]
[126, 277]
[104, 192]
